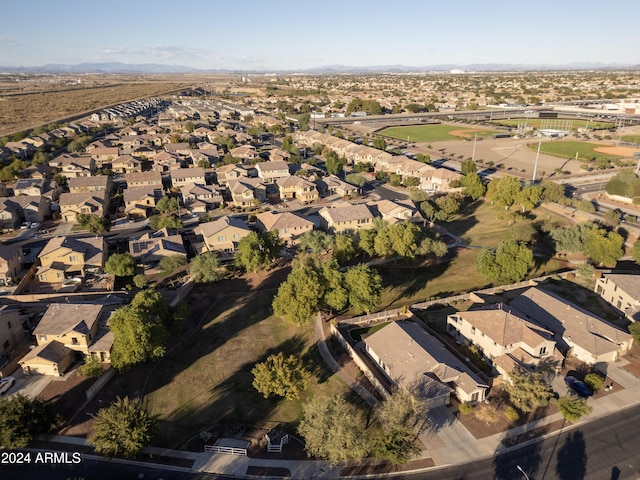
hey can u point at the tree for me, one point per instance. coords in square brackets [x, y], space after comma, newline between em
[92, 367]
[635, 252]
[509, 263]
[257, 250]
[120, 264]
[364, 285]
[634, 330]
[571, 239]
[139, 330]
[332, 429]
[158, 222]
[140, 280]
[172, 262]
[336, 296]
[553, 192]
[410, 181]
[366, 241]
[612, 217]
[424, 158]
[281, 376]
[473, 186]
[123, 428]
[356, 179]
[168, 205]
[449, 205]
[298, 296]
[316, 240]
[379, 143]
[395, 180]
[204, 268]
[504, 190]
[22, 419]
[468, 167]
[523, 232]
[594, 381]
[343, 248]
[60, 180]
[332, 163]
[95, 223]
[529, 197]
[603, 247]
[527, 390]
[573, 407]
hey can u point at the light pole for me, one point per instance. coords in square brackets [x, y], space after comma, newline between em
[535, 166]
[523, 472]
[473, 155]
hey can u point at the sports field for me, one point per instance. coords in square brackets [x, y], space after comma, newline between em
[554, 123]
[435, 133]
[585, 151]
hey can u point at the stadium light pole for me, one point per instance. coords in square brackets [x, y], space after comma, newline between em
[523, 472]
[535, 165]
[473, 154]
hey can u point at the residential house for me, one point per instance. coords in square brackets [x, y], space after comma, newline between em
[270, 171]
[32, 208]
[126, 164]
[200, 198]
[578, 332]
[288, 225]
[346, 219]
[10, 263]
[622, 291]
[279, 155]
[226, 173]
[411, 168]
[99, 183]
[246, 191]
[40, 170]
[184, 176]
[438, 180]
[295, 187]
[90, 203]
[141, 201]
[104, 155]
[65, 332]
[181, 149]
[10, 213]
[13, 333]
[30, 187]
[395, 211]
[332, 185]
[223, 234]
[165, 161]
[413, 359]
[504, 336]
[247, 153]
[152, 247]
[77, 166]
[67, 257]
[144, 179]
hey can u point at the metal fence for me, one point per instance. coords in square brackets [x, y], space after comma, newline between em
[226, 450]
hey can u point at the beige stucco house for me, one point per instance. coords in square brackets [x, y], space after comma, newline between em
[64, 257]
[347, 218]
[622, 291]
[223, 234]
[288, 225]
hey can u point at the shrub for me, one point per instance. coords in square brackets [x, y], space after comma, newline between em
[594, 381]
[140, 280]
[487, 414]
[512, 414]
[465, 408]
[92, 368]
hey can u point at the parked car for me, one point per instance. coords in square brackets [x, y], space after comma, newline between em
[578, 386]
[6, 383]
[25, 226]
[35, 225]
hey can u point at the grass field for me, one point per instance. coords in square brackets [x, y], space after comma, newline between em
[568, 149]
[540, 122]
[209, 383]
[434, 133]
[631, 139]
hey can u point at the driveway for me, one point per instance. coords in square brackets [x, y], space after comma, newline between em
[28, 385]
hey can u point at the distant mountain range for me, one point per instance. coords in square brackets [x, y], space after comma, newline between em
[153, 68]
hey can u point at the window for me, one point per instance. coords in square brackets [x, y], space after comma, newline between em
[221, 238]
[543, 351]
[474, 397]
[74, 341]
[473, 330]
[8, 324]
[73, 258]
[236, 236]
[42, 338]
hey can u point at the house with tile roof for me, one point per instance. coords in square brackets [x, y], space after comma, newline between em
[89, 203]
[411, 358]
[223, 234]
[578, 332]
[288, 225]
[152, 247]
[184, 176]
[68, 257]
[201, 198]
[622, 291]
[296, 187]
[346, 218]
[140, 202]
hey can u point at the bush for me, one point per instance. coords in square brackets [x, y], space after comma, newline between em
[465, 408]
[92, 368]
[594, 381]
[140, 280]
[512, 414]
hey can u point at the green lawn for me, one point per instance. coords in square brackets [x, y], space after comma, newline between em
[568, 149]
[434, 133]
[208, 382]
[631, 139]
[539, 122]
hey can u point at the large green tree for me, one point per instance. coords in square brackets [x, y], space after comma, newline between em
[527, 390]
[364, 285]
[298, 296]
[124, 428]
[281, 376]
[257, 250]
[509, 263]
[504, 190]
[573, 407]
[205, 268]
[603, 247]
[22, 419]
[120, 264]
[336, 296]
[168, 205]
[473, 186]
[140, 329]
[333, 430]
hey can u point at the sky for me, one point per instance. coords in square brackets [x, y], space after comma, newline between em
[290, 35]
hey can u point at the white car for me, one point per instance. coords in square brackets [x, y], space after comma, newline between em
[6, 383]
[25, 226]
[35, 225]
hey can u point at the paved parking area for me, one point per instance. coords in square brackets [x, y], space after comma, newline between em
[28, 385]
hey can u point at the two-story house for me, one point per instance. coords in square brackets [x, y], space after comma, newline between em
[144, 179]
[288, 225]
[11, 259]
[100, 183]
[223, 234]
[13, 333]
[68, 257]
[270, 171]
[296, 187]
[200, 198]
[622, 291]
[126, 164]
[89, 203]
[140, 202]
[183, 176]
[346, 218]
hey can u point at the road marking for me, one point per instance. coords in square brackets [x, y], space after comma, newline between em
[505, 148]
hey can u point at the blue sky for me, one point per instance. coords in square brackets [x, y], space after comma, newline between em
[270, 35]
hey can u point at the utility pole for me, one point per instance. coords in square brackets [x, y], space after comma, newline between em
[473, 154]
[535, 166]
